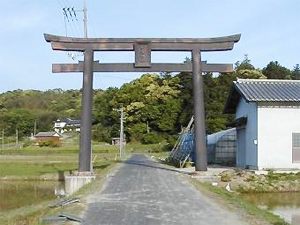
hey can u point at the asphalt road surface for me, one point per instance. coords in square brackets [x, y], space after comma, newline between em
[144, 192]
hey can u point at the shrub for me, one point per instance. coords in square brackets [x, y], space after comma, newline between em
[27, 143]
[49, 143]
[151, 138]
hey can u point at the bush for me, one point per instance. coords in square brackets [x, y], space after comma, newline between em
[171, 141]
[151, 138]
[50, 143]
[27, 143]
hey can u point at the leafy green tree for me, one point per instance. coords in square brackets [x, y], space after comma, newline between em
[152, 99]
[216, 90]
[42, 107]
[275, 71]
[45, 120]
[246, 70]
[106, 119]
[244, 65]
[296, 72]
[186, 96]
[19, 119]
[250, 74]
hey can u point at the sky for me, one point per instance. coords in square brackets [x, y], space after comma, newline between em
[270, 31]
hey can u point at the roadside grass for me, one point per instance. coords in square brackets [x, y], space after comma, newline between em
[31, 170]
[17, 194]
[235, 200]
[32, 214]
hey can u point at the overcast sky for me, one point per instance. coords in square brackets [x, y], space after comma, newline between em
[270, 31]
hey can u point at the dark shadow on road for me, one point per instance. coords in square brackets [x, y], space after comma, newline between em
[151, 164]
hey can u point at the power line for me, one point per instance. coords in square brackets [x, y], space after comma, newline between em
[59, 2]
[71, 18]
[68, 2]
[65, 3]
[71, 21]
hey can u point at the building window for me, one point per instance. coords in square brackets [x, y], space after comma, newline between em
[296, 147]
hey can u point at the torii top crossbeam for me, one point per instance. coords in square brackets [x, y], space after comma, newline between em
[156, 44]
[142, 48]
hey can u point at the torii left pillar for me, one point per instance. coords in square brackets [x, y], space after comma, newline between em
[85, 155]
[85, 169]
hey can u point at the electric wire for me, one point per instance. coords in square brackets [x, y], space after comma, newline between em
[61, 5]
[71, 23]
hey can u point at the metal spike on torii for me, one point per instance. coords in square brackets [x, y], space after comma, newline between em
[142, 48]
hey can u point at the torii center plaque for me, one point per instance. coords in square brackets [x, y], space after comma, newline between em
[142, 48]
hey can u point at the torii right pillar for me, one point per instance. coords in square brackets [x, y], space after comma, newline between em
[199, 113]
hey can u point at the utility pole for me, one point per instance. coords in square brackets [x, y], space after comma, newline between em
[3, 139]
[148, 130]
[34, 128]
[17, 137]
[121, 132]
[121, 111]
[85, 19]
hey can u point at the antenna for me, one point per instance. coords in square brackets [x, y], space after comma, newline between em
[70, 16]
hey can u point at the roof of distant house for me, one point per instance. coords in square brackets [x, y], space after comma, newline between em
[261, 90]
[70, 122]
[46, 134]
[74, 122]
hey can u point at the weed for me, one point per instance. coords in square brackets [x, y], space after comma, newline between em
[235, 199]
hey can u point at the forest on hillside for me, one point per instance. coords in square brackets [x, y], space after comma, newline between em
[156, 106]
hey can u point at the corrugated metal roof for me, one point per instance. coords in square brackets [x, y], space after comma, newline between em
[269, 90]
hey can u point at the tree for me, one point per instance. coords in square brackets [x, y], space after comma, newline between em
[244, 65]
[275, 71]
[250, 74]
[296, 72]
[186, 96]
[216, 90]
[20, 119]
[106, 119]
[246, 70]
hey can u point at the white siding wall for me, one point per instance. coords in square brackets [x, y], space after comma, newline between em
[275, 128]
[248, 110]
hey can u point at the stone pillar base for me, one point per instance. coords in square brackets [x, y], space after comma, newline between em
[77, 180]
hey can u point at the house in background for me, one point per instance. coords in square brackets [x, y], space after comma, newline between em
[115, 141]
[267, 118]
[66, 125]
[47, 136]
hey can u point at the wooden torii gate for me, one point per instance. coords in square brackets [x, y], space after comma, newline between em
[142, 48]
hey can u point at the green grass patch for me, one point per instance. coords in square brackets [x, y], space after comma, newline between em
[136, 147]
[34, 169]
[237, 201]
[32, 214]
[24, 193]
[273, 177]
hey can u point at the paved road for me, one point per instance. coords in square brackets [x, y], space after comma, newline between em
[144, 192]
